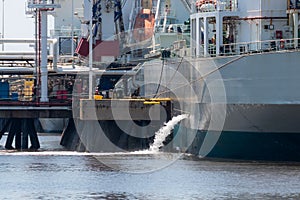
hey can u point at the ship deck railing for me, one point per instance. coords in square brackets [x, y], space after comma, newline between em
[34, 3]
[173, 28]
[218, 5]
[169, 13]
[65, 32]
[254, 47]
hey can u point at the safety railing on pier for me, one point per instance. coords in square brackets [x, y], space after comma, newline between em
[18, 89]
[26, 88]
[253, 47]
[62, 89]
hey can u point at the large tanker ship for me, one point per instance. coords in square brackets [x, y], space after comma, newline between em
[238, 79]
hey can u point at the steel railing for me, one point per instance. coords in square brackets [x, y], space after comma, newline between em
[216, 5]
[252, 47]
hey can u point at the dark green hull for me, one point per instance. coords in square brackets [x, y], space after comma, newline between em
[251, 146]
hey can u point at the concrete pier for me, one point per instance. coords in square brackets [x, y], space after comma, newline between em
[114, 125]
[121, 109]
[108, 125]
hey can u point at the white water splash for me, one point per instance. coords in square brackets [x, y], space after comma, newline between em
[163, 132]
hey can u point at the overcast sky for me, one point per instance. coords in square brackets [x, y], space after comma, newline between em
[16, 23]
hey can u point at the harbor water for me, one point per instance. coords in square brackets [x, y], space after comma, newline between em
[53, 173]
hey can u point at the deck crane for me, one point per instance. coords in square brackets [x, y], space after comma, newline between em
[105, 12]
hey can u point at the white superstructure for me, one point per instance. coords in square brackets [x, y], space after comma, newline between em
[247, 24]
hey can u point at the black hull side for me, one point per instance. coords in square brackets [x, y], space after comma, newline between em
[269, 132]
[251, 146]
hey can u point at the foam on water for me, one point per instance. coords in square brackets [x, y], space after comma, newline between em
[71, 153]
[163, 132]
[68, 153]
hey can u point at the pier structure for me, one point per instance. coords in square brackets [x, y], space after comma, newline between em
[20, 106]
[21, 118]
[110, 109]
[35, 85]
[114, 125]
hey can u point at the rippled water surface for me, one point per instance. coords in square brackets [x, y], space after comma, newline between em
[53, 173]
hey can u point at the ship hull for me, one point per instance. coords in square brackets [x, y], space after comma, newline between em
[251, 146]
[241, 107]
[250, 132]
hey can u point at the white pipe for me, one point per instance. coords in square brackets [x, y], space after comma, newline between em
[17, 53]
[219, 33]
[91, 51]
[131, 18]
[157, 14]
[36, 45]
[55, 53]
[198, 36]
[17, 57]
[3, 23]
[165, 23]
[205, 37]
[44, 59]
[296, 18]
[22, 40]
[156, 24]
[54, 43]
[72, 34]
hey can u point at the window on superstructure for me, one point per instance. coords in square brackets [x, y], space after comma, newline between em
[144, 16]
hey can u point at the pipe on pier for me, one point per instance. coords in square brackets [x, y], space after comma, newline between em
[54, 43]
[44, 60]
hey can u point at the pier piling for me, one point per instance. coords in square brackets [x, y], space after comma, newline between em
[28, 129]
[14, 131]
[19, 129]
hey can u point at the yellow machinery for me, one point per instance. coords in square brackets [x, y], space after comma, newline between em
[27, 92]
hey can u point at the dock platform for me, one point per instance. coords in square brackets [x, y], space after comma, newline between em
[124, 109]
